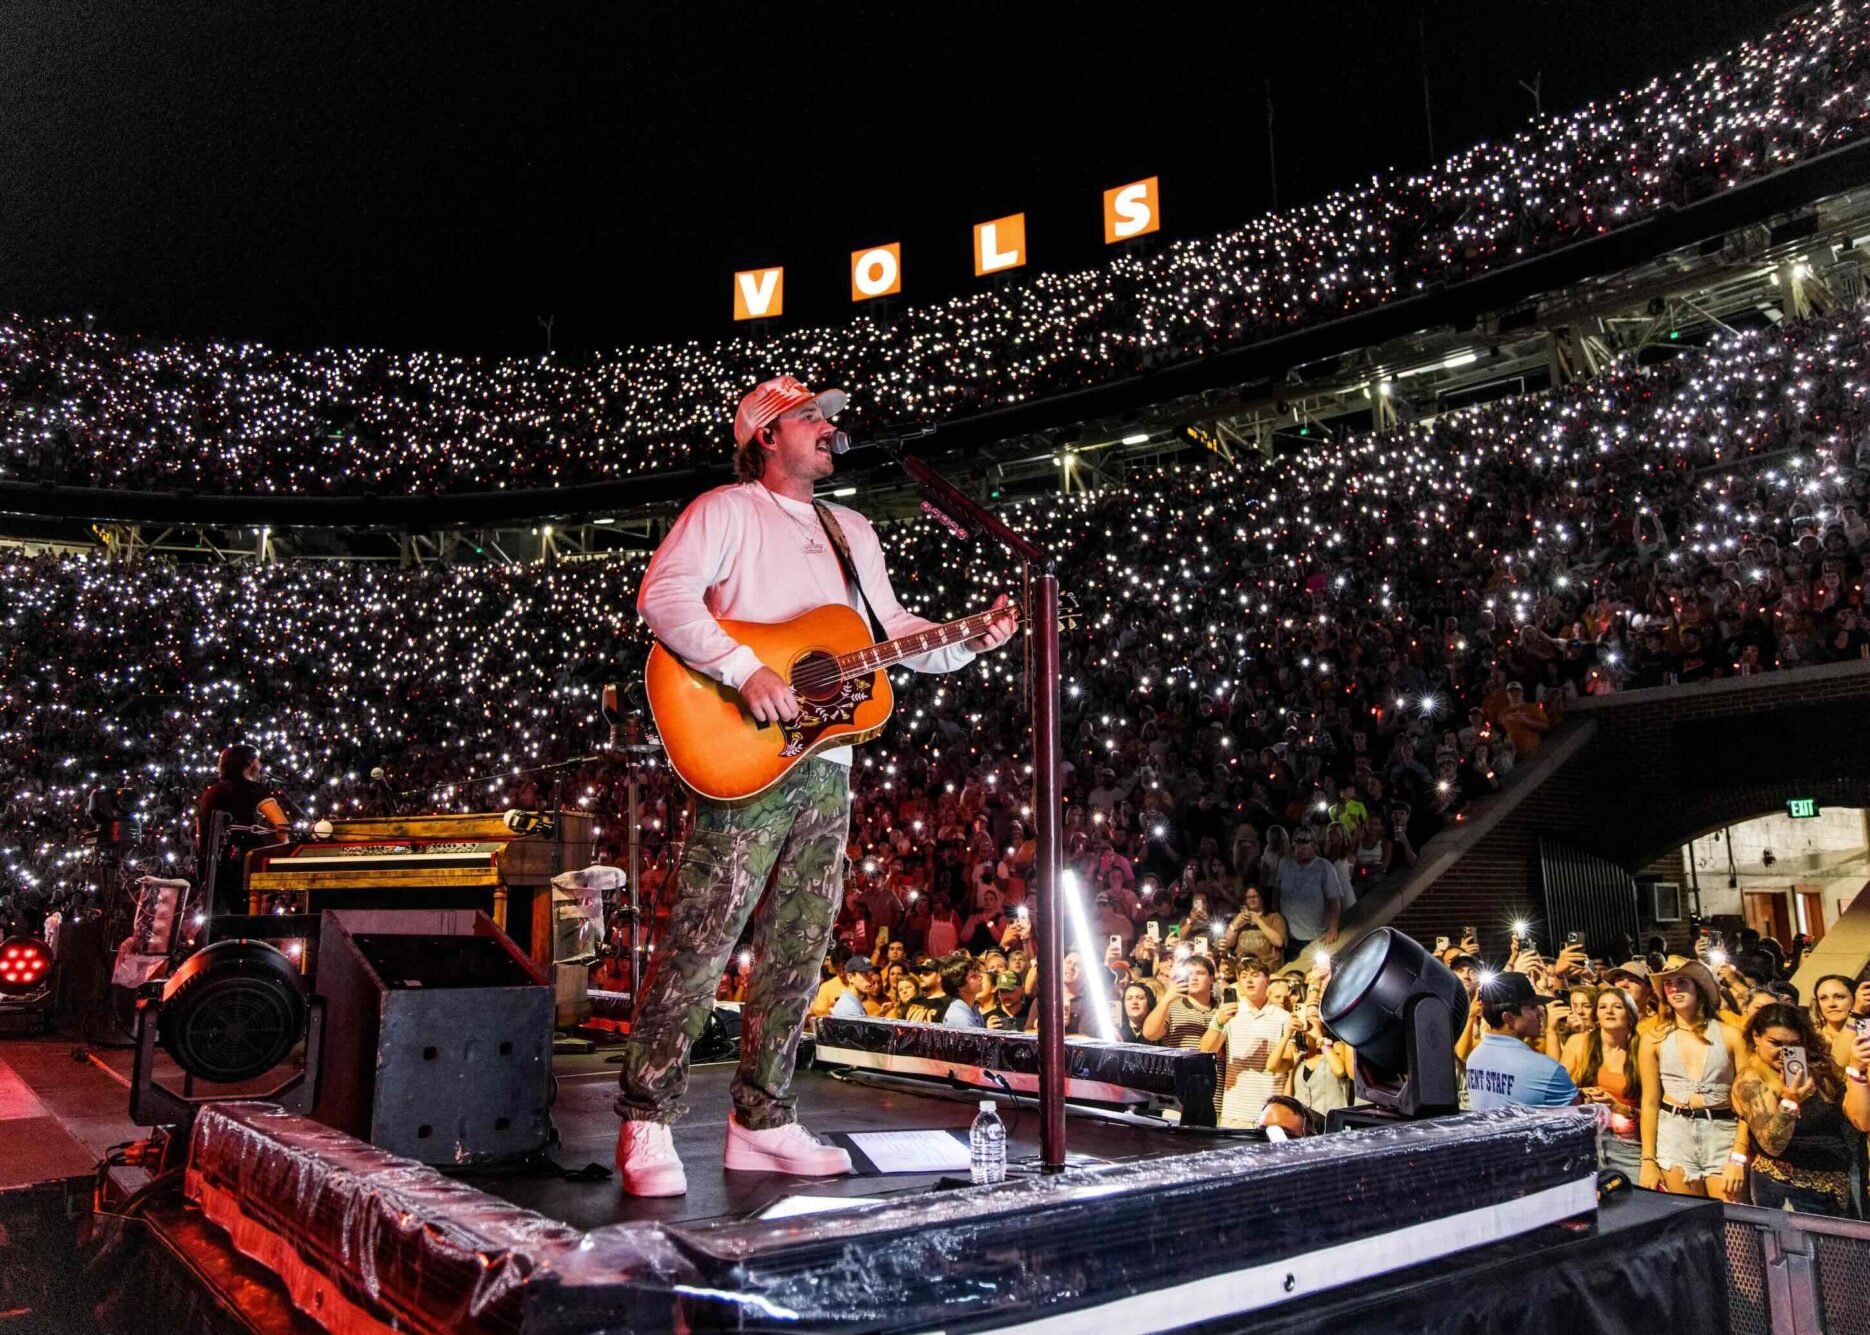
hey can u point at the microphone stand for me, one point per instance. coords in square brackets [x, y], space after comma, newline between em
[633, 780]
[960, 511]
[628, 739]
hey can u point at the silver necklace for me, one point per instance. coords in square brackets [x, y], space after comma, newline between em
[812, 547]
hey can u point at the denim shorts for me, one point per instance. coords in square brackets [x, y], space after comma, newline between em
[1699, 1146]
[1623, 1153]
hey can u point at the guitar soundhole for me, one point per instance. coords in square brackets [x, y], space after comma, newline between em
[815, 676]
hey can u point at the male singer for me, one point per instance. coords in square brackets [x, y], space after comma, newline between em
[758, 551]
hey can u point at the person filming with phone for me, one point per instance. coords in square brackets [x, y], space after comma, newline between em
[1256, 1037]
[1803, 1111]
[1181, 1018]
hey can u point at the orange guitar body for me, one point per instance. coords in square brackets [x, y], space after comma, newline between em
[718, 749]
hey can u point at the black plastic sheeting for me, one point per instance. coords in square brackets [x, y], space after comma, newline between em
[1184, 1074]
[405, 1242]
[1046, 1244]
[398, 1238]
[1653, 1263]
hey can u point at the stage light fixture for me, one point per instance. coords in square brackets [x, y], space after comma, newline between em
[1396, 1005]
[25, 965]
[232, 1011]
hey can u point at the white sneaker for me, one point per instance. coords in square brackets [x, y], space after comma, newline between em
[783, 1149]
[651, 1167]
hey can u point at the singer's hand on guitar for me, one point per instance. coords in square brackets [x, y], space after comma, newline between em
[998, 631]
[769, 699]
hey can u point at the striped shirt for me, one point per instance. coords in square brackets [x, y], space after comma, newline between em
[1253, 1036]
[1187, 1021]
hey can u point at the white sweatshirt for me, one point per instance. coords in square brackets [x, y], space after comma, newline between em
[738, 553]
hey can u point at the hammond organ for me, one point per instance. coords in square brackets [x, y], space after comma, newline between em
[412, 862]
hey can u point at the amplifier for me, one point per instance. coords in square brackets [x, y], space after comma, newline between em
[438, 1035]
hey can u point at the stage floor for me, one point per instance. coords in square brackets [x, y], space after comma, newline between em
[829, 1106]
[80, 1099]
[64, 1105]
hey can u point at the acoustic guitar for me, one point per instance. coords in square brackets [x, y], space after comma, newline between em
[722, 752]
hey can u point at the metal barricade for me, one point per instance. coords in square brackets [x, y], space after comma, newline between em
[1796, 1274]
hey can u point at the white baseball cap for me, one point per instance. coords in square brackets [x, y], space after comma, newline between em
[780, 395]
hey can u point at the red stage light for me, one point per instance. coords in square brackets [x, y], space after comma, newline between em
[25, 962]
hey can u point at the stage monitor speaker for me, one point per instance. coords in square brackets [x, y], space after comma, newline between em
[438, 1035]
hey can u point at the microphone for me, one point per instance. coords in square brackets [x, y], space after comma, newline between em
[622, 708]
[382, 781]
[840, 443]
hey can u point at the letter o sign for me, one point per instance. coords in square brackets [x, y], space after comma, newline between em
[877, 272]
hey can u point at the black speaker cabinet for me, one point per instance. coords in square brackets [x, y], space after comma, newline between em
[438, 1035]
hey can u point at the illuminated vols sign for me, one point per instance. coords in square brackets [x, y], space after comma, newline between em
[1000, 244]
[1801, 808]
[759, 294]
[877, 272]
[1130, 211]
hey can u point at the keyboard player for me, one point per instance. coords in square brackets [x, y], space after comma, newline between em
[247, 801]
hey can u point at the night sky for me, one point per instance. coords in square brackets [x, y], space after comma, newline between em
[439, 176]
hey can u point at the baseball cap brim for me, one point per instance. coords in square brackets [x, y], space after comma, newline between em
[1503, 992]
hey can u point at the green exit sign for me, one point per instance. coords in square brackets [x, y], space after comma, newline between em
[1801, 808]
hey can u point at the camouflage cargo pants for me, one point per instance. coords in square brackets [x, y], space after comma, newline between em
[800, 828]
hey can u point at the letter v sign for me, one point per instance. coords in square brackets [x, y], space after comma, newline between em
[759, 293]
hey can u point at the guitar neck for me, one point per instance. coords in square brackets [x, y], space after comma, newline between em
[891, 652]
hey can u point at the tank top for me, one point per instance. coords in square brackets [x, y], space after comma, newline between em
[1615, 1083]
[1818, 1143]
[1717, 1073]
[1319, 1088]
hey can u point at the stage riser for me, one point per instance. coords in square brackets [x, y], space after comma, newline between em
[1236, 1229]
[1039, 1246]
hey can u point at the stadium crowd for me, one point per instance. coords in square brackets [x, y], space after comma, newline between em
[92, 408]
[1614, 1032]
[1290, 675]
[1360, 638]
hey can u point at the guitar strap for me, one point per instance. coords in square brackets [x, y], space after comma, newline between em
[843, 549]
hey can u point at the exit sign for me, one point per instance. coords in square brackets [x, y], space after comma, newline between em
[1801, 808]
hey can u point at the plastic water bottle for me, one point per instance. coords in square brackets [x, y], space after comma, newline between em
[986, 1143]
